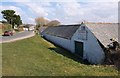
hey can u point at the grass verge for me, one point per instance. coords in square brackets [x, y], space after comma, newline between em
[37, 57]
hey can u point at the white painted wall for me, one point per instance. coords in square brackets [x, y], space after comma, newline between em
[15, 27]
[92, 50]
[25, 29]
[31, 28]
[65, 43]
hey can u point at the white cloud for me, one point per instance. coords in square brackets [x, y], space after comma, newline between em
[59, 0]
[30, 20]
[92, 11]
[102, 11]
[15, 0]
[19, 11]
[72, 8]
[71, 12]
[37, 8]
[102, 0]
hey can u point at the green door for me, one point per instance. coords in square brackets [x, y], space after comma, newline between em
[79, 48]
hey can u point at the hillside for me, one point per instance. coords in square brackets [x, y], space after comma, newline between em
[37, 57]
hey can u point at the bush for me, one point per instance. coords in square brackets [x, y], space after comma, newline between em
[113, 58]
[6, 27]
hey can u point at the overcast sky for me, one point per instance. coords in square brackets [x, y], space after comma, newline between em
[66, 11]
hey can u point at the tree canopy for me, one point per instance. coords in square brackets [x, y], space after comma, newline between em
[53, 23]
[41, 21]
[11, 17]
[17, 20]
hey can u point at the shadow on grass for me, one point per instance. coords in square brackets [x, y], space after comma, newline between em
[68, 54]
[72, 56]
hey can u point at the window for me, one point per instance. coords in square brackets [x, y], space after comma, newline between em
[82, 33]
[83, 28]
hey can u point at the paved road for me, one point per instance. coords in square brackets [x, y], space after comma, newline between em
[17, 36]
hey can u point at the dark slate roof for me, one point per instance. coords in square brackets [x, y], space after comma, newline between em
[104, 31]
[41, 29]
[63, 31]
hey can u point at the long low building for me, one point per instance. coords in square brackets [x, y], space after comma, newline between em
[86, 40]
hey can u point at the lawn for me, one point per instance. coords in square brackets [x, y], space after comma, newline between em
[37, 57]
[0, 60]
[0, 31]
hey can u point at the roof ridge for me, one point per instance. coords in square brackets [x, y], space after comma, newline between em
[99, 23]
[66, 25]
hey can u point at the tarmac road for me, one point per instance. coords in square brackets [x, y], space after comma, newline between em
[17, 36]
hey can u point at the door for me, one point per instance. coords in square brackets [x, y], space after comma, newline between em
[79, 49]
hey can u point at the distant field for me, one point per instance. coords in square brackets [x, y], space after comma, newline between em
[37, 57]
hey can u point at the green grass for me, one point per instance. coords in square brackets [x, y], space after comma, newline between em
[0, 60]
[1, 32]
[37, 57]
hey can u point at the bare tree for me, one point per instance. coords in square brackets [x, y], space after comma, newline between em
[53, 23]
[41, 21]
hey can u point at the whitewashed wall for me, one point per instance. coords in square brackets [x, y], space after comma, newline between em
[92, 50]
[25, 29]
[31, 28]
[65, 43]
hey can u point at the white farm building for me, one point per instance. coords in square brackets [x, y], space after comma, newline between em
[28, 27]
[86, 40]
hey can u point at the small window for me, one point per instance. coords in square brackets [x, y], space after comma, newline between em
[82, 27]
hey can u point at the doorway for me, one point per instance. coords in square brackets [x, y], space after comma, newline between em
[79, 49]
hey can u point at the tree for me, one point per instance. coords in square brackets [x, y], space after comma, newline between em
[53, 23]
[41, 21]
[8, 15]
[11, 17]
[17, 20]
